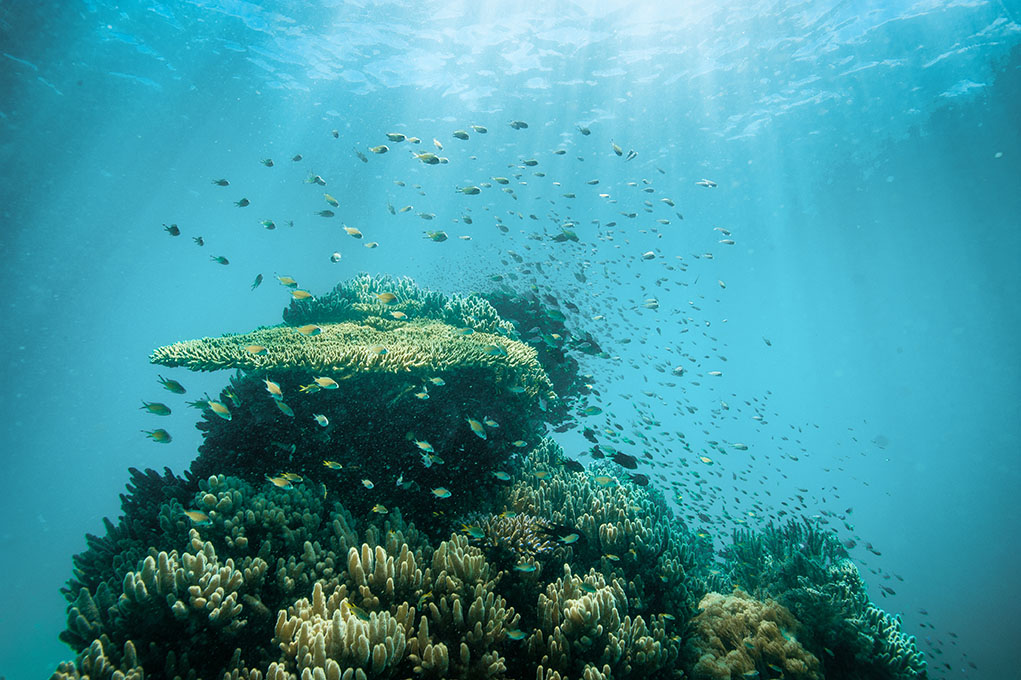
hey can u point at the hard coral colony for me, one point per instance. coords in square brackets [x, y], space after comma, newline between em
[273, 558]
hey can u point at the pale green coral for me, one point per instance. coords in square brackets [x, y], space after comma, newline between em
[418, 348]
[584, 628]
[358, 300]
[631, 528]
[326, 636]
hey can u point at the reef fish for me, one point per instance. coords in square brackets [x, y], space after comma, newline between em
[274, 389]
[161, 436]
[172, 385]
[476, 427]
[156, 408]
[197, 517]
[280, 482]
[219, 409]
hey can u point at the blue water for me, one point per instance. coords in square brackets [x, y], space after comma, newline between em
[868, 164]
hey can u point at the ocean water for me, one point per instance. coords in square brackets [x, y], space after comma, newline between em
[851, 273]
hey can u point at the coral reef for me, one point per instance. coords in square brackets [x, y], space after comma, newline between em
[374, 498]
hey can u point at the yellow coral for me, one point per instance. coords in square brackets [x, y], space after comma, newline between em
[737, 634]
[422, 347]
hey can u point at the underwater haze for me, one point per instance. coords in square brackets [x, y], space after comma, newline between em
[766, 252]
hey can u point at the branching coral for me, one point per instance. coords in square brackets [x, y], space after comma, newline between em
[623, 529]
[326, 636]
[359, 300]
[406, 403]
[806, 570]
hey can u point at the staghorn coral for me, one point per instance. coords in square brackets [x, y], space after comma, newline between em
[734, 635]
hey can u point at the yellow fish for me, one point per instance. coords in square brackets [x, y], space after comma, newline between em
[441, 492]
[381, 509]
[284, 408]
[424, 445]
[367, 483]
[353, 231]
[287, 281]
[327, 383]
[299, 294]
[333, 465]
[358, 612]
[476, 427]
[161, 436]
[291, 476]
[172, 385]
[257, 350]
[156, 408]
[400, 316]
[386, 298]
[321, 419]
[309, 389]
[274, 389]
[280, 482]
[309, 329]
[219, 409]
[382, 148]
[331, 200]
[199, 518]
[473, 530]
